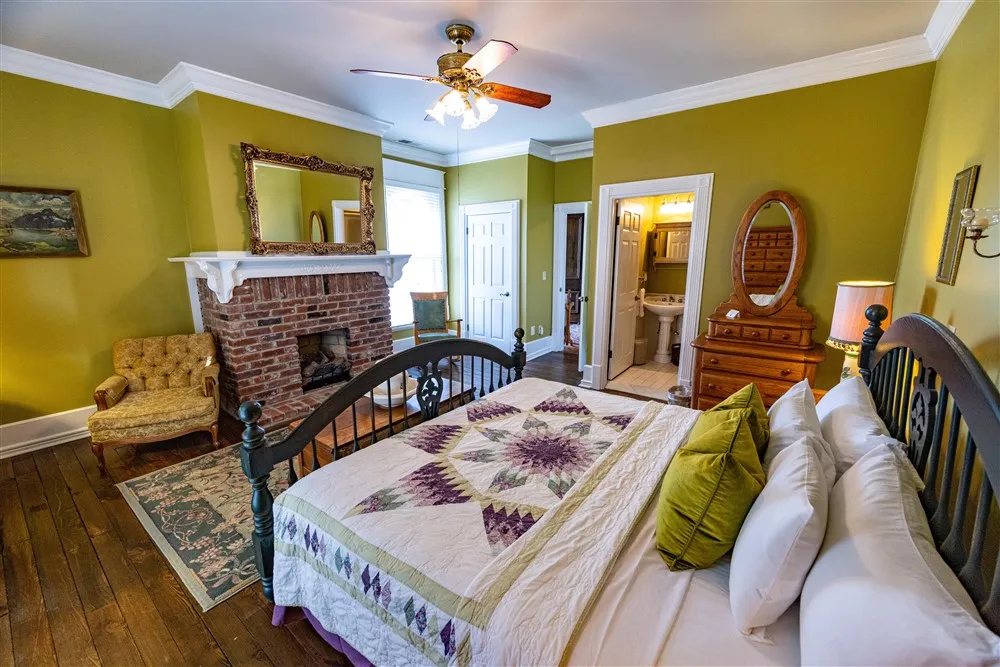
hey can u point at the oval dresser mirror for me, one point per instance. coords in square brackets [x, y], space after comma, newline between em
[768, 253]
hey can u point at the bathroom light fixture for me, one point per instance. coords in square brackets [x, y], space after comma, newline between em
[976, 221]
[677, 207]
[849, 322]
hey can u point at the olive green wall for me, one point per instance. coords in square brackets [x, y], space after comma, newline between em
[479, 183]
[962, 129]
[196, 195]
[225, 123]
[847, 150]
[573, 180]
[318, 193]
[61, 315]
[279, 196]
[536, 254]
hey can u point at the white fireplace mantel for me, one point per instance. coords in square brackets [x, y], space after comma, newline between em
[224, 271]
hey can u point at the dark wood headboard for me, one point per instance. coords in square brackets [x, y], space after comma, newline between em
[935, 397]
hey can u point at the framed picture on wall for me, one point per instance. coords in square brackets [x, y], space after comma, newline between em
[39, 222]
[962, 192]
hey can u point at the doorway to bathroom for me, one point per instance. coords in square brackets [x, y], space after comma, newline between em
[651, 239]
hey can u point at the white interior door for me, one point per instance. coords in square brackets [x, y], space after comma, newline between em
[626, 293]
[491, 244]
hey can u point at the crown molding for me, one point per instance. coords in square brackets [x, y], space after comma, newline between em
[848, 64]
[396, 149]
[53, 70]
[490, 153]
[186, 78]
[944, 22]
[575, 151]
[180, 82]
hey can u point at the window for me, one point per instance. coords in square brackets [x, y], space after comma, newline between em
[415, 227]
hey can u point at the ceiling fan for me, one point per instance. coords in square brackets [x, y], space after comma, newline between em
[464, 74]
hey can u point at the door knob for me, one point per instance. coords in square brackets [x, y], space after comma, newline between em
[636, 297]
[504, 293]
[582, 299]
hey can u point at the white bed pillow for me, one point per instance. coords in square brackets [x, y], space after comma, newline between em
[850, 422]
[792, 417]
[879, 593]
[779, 539]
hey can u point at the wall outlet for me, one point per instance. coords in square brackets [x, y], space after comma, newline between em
[545, 275]
[532, 331]
[541, 330]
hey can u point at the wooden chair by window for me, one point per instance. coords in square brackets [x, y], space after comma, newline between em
[430, 317]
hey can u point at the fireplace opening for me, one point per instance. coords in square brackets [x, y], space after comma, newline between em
[323, 359]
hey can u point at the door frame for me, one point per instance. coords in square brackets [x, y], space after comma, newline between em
[701, 185]
[513, 207]
[559, 274]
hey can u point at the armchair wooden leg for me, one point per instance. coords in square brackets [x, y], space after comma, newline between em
[214, 430]
[98, 449]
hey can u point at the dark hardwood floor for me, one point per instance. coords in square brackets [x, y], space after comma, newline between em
[81, 582]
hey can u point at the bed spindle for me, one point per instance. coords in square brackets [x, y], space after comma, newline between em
[336, 445]
[461, 380]
[374, 438]
[482, 375]
[907, 388]
[939, 521]
[292, 477]
[406, 409]
[953, 547]
[354, 423]
[971, 574]
[933, 457]
[388, 393]
[315, 461]
[491, 377]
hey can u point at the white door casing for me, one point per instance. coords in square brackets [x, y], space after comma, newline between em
[596, 375]
[625, 292]
[559, 274]
[491, 271]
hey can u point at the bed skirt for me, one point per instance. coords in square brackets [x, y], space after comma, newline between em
[284, 615]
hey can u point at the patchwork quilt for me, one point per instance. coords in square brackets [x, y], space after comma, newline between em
[452, 542]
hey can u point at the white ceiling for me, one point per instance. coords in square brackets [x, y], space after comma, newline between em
[585, 55]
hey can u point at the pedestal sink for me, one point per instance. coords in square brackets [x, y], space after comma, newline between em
[666, 307]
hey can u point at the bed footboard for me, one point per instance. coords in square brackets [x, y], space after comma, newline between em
[495, 369]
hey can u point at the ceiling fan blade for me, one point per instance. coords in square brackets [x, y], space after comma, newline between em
[396, 75]
[528, 98]
[490, 57]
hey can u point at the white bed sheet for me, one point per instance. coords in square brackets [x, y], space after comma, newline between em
[630, 623]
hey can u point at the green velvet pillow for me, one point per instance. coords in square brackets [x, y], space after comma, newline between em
[748, 402]
[706, 493]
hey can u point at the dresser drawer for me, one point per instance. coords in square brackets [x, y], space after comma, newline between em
[778, 266]
[768, 368]
[785, 235]
[767, 243]
[756, 333]
[768, 235]
[755, 265]
[721, 386]
[783, 243]
[797, 337]
[725, 330]
[759, 253]
[777, 253]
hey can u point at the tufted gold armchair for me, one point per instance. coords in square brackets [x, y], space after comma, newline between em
[163, 387]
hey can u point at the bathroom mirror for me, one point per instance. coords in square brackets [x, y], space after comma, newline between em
[304, 204]
[768, 253]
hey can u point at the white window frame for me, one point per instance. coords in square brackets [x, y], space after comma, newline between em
[415, 177]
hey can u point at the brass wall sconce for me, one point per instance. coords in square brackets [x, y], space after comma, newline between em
[976, 221]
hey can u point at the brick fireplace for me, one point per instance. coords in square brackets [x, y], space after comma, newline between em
[276, 333]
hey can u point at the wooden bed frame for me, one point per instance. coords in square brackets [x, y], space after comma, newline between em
[261, 454]
[925, 382]
[934, 397]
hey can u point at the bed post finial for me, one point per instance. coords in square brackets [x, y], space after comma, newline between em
[261, 502]
[875, 314]
[518, 354]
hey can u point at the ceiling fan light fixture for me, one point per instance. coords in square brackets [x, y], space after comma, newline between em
[437, 112]
[454, 103]
[486, 108]
[469, 120]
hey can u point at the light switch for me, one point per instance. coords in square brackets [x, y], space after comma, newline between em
[545, 275]
[532, 331]
[541, 330]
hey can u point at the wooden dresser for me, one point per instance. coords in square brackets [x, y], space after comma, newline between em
[772, 352]
[769, 343]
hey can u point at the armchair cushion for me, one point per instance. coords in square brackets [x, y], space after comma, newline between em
[437, 335]
[110, 392]
[165, 412]
[429, 314]
[164, 362]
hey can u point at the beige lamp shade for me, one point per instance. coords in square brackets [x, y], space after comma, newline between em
[853, 298]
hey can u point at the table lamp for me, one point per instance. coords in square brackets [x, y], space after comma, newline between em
[849, 323]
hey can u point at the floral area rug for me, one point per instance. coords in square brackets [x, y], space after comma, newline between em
[198, 514]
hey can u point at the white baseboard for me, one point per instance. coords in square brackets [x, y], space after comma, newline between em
[538, 347]
[588, 376]
[45, 431]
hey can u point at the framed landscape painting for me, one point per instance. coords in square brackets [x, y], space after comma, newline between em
[38, 222]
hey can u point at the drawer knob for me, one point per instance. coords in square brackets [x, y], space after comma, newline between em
[784, 336]
[755, 334]
[713, 360]
[785, 372]
[727, 330]
[711, 385]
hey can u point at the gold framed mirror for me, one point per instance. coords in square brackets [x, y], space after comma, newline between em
[768, 253]
[298, 203]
